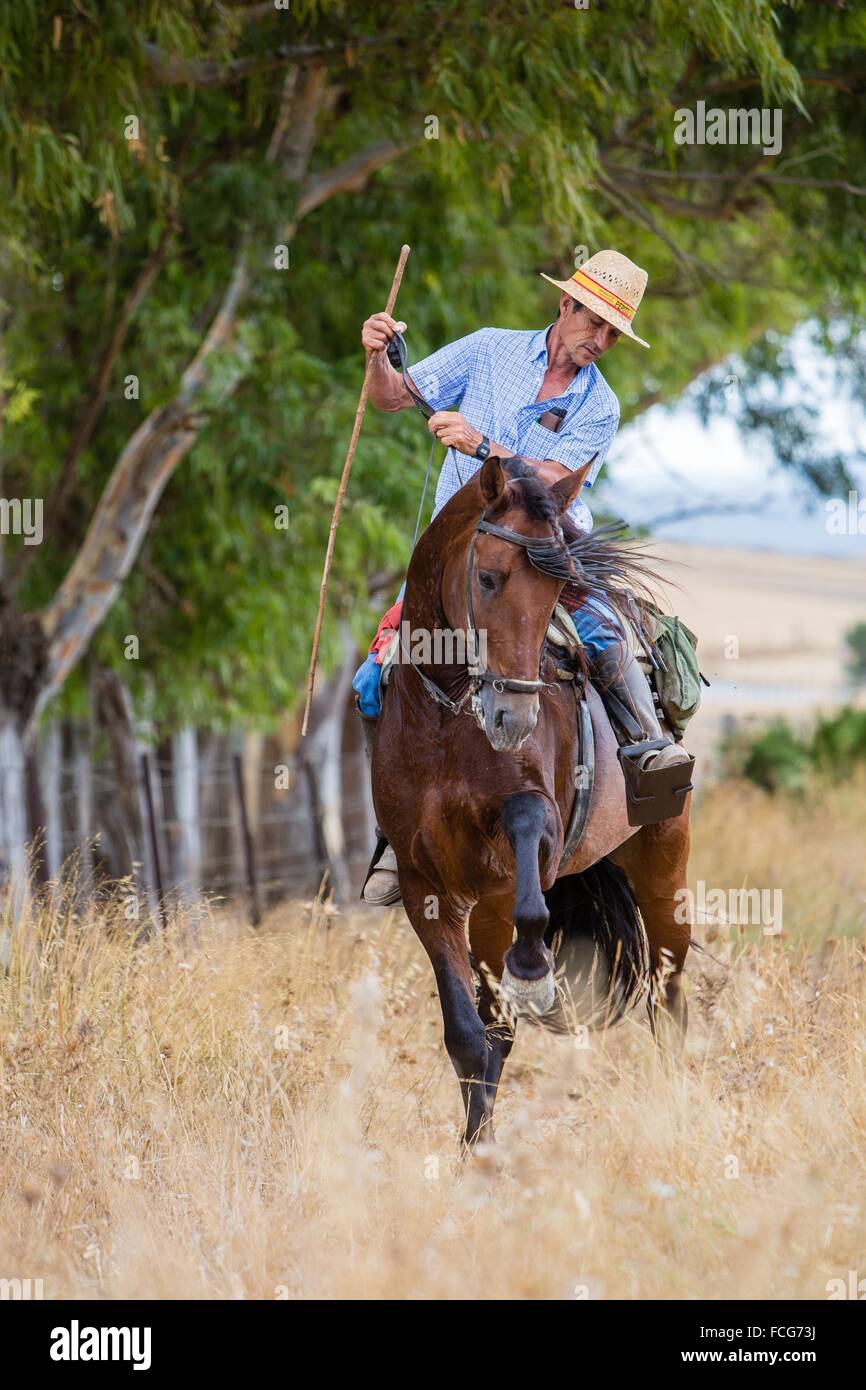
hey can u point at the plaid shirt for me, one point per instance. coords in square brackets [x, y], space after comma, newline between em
[494, 375]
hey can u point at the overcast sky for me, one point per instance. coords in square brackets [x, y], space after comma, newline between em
[666, 460]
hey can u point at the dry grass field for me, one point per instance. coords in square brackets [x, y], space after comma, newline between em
[227, 1114]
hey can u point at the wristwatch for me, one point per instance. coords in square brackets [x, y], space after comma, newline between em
[483, 449]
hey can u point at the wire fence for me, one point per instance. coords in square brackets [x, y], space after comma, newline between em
[226, 819]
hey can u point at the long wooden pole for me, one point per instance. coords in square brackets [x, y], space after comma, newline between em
[341, 492]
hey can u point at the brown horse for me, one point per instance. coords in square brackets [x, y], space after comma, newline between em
[475, 808]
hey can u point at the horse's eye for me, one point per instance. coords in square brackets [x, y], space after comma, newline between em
[486, 581]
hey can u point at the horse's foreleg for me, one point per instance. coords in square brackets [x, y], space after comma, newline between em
[528, 972]
[491, 928]
[440, 927]
[656, 860]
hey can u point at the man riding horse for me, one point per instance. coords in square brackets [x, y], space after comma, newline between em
[540, 396]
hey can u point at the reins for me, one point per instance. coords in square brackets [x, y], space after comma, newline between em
[398, 357]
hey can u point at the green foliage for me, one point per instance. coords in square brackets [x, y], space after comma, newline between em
[856, 640]
[777, 759]
[770, 408]
[555, 131]
[839, 743]
[780, 759]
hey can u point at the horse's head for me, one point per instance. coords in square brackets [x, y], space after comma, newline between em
[507, 599]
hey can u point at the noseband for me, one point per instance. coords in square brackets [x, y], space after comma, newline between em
[549, 554]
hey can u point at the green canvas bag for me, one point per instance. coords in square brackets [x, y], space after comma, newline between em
[679, 685]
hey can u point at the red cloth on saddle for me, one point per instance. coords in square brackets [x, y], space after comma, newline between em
[569, 602]
[389, 625]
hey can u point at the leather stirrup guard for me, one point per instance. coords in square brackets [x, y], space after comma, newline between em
[653, 794]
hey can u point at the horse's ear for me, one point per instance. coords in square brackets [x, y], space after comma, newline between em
[567, 489]
[493, 480]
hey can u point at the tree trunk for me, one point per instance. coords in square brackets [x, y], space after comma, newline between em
[24, 652]
[39, 651]
[153, 453]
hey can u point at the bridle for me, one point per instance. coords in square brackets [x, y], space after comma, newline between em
[545, 553]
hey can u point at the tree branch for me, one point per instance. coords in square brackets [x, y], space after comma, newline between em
[150, 458]
[164, 587]
[148, 461]
[348, 177]
[708, 175]
[722, 211]
[61, 494]
[632, 210]
[171, 70]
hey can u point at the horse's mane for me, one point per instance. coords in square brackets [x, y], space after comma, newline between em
[600, 560]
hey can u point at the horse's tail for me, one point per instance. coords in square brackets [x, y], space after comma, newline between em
[598, 938]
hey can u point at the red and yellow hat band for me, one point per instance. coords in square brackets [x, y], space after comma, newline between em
[586, 282]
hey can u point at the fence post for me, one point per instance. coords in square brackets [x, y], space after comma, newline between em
[38, 819]
[83, 776]
[247, 840]
[184, 763]
[51, 786]
[154, 838]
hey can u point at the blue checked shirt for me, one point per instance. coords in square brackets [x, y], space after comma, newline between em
[494, 376]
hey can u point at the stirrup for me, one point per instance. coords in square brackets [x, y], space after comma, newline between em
[653, 794]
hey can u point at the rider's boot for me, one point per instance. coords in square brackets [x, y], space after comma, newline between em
[382, 887]
[655, 789]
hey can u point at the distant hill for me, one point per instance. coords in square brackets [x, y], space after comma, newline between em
[771, 628]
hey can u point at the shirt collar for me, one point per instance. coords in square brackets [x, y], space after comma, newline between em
[538, 343]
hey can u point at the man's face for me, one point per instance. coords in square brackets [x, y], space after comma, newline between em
[585, 336]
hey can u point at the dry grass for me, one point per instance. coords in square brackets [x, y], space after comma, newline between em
[273, 1115]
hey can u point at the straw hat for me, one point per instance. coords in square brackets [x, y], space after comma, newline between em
[611, 286]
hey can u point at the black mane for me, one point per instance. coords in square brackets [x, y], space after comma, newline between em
[535, 495]
[599, 560]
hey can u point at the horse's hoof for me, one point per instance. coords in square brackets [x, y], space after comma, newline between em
[532, 996]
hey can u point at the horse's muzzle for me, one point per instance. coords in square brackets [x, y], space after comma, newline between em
[509, 718]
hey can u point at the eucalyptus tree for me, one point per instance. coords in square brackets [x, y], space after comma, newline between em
[201, 202]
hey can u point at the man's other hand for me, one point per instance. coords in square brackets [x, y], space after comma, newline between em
[454, 431]
[378, 330]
